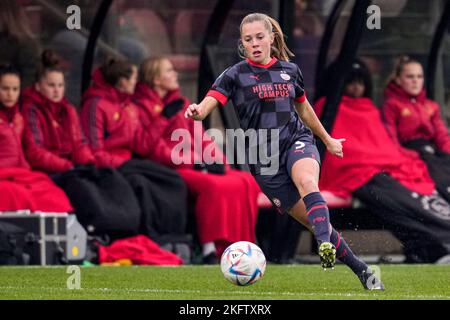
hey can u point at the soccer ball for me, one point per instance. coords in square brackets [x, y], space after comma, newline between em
[243, 263]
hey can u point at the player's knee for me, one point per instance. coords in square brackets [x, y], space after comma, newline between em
[308, 183]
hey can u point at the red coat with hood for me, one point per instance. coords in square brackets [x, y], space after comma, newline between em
[20, 188]
[408, 118]
[111, 124]
[225, 205]
[57, 142]
[12, 128]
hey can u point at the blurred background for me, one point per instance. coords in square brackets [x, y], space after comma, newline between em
[200, 38]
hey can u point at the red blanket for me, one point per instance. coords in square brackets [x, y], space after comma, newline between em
[225, 205]
[22, 189]
[368, 150]
[140, 250]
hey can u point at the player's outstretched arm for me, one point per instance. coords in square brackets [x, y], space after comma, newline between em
[202, 110]
[309, 118]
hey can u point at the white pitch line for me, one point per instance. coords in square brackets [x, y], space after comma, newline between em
[261, 293]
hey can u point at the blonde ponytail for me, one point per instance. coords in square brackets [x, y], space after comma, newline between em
[279, 47]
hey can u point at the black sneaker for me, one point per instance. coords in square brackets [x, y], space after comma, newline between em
[370, 281]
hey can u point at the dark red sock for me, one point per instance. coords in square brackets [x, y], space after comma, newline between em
[318, 216]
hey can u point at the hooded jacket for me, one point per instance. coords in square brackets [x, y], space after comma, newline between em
[57, 142]
[20, 187]
[12, 128]
[110, 121]
[409, 118]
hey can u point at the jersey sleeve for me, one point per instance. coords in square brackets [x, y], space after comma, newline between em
[223, 87]
[300, 94]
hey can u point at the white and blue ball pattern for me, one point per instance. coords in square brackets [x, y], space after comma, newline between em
[243, 263]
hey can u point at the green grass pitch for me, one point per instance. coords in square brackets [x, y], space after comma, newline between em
[294, 282]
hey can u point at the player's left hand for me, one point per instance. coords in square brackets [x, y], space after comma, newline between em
[334, 146]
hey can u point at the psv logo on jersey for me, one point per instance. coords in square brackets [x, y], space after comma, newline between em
[285, 76]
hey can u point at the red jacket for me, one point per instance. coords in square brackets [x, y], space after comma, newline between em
[110, 122]
[21, 188]
[408, 118]
[368, 150]
[11, 137]
[150, 107]
[57, 142]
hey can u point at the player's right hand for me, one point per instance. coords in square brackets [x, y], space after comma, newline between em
[194, 111]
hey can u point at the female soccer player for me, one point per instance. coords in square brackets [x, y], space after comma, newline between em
[268, 93]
